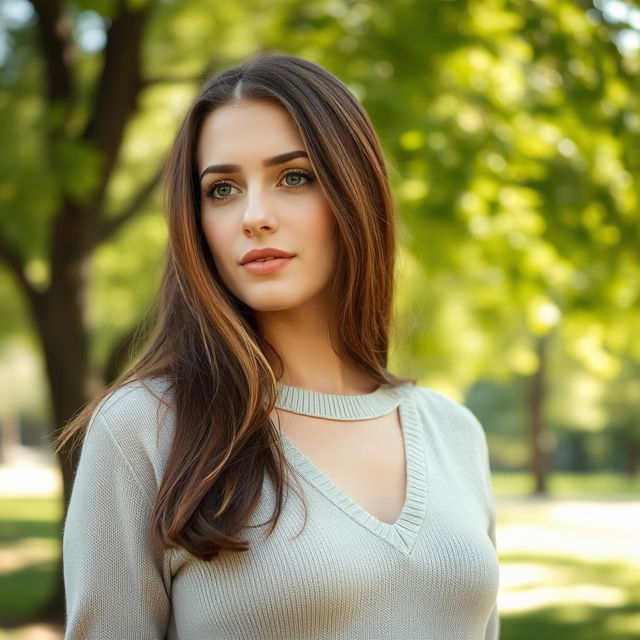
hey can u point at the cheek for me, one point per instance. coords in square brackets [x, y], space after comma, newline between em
[216, 237]
[322, 226]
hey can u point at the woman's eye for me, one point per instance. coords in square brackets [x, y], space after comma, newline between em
[297, 178]
[220, 191]
[293, 179]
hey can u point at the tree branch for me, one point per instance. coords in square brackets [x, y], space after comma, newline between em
[17, 266]
[118, 88]
[105, 228]
[57, 50]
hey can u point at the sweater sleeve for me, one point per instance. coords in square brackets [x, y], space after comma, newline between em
[114, 584]
[492, 631]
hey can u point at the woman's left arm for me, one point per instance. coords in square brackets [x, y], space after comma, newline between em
[492, 631]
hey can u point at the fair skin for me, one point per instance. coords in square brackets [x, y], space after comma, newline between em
[281, 206]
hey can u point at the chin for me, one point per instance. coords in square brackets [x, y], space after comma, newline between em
[271, 304]
[274, 300]
[276, 296]
[270, 308]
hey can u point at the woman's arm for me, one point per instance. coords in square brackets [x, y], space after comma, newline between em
[114, 582]
[492, 632]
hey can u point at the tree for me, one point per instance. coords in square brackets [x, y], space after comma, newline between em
[81, 139]
[510, 127]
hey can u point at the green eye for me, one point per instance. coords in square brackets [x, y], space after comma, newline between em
[220, 191]
[293, 179]
[297, 178]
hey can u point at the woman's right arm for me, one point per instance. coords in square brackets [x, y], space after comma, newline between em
[114, 582]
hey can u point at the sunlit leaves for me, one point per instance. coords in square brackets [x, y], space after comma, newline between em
[512, 134]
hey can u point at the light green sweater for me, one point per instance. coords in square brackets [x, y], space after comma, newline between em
[432, 575]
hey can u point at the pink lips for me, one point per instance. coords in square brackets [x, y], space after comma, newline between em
[260, 267]
[265, 252]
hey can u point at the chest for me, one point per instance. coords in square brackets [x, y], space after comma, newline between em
[365, 459]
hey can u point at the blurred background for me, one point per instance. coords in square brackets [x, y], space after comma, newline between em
[511, 129]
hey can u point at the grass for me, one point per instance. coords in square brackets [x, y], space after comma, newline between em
[569, 485]
[29, 550]
[570, 566]
[569, 569]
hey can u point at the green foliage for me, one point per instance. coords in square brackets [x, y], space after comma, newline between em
[511, 131]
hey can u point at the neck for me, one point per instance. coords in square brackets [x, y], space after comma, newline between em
[301, 338]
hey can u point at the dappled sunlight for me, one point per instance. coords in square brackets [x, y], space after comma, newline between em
[588, 531]
[611, 517]
[32, 632]
[569, 542]
[30, 480]
[516, 575]
[570, 558]
[507, 131]
[542, 597]
[27, 552]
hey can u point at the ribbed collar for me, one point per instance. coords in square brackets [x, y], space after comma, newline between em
[340, 407]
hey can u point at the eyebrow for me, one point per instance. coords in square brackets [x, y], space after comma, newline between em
[268, 162]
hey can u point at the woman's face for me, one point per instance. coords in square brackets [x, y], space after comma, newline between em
[258, 190]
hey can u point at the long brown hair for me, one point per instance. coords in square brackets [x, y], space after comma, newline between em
[207, 343]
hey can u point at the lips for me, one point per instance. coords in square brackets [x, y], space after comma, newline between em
[266, 267]
[267, 252]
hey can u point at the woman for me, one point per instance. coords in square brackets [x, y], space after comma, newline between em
[268, 364]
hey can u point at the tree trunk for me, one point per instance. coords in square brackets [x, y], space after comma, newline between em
[60, 317]
[538, 437]
[60, 311]
[632, 459]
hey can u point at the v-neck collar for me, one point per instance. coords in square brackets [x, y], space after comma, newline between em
[403, 533]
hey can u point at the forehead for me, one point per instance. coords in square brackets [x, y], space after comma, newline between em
[247, 132]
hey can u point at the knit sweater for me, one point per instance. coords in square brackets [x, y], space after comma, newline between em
[431, 575]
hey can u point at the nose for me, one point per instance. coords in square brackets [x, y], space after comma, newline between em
[259, 214]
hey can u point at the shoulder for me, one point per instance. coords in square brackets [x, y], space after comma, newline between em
[135, 401]
[449, 416]
[456, 436]
[138, 420]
